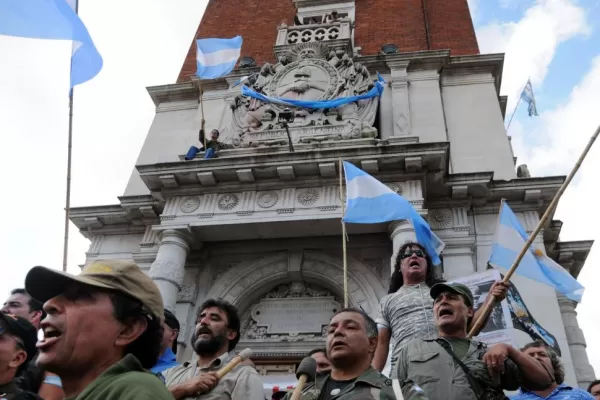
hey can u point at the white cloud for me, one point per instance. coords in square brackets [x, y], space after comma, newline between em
[143, 43]
[531, 42]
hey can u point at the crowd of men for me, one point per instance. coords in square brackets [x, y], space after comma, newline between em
[106, 335]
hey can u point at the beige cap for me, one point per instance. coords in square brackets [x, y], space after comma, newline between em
[120, 275]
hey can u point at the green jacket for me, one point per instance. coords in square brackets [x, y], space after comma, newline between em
[371, 385]
[125, 380]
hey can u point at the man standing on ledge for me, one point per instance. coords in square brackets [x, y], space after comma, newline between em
[102, 332]
[214, 340]
[406, 313]
[453, 367]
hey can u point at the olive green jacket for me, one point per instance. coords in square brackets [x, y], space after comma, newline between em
[371, 385]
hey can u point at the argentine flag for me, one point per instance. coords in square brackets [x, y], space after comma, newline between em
[53, 19]
[529, 98]
[369, 201]
[536, 265]
[217, 57]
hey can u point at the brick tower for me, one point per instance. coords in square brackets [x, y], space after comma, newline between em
[411, 25]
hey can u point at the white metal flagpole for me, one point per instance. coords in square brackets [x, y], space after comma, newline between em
[344, 236]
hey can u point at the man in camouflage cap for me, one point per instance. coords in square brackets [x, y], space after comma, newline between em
[453, 367]
[351, 342]
[103, 330]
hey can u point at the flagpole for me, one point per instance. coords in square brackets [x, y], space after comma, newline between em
[69, 157]
[517, 106]
[344, 256]
[202, 110]
[489, 303]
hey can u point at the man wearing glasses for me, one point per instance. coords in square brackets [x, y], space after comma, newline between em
[406, 313]
[17, 346]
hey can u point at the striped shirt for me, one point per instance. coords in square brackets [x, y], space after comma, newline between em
[562, 392]
[408, 313]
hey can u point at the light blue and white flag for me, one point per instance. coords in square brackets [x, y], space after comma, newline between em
[529, 98]
[217, 57]
[369, 201]
[536, 265]
[376, 91]
[53, 19]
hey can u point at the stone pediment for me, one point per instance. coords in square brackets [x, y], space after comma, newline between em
[310, 72]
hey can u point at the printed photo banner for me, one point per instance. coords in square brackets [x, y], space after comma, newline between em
[376, 91]
[499, 328]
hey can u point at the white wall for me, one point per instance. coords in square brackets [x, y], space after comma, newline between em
[478, 141]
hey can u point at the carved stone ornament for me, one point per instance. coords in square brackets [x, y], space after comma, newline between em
[228, 201]
[396, 187]
[440, 218]
[309, 71]
[267, 199]
[291, 312]
[307, 197]
[190, 204]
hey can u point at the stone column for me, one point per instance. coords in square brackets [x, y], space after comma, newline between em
[167, 270]
[584, 372]
[400, 232]
[400, 100]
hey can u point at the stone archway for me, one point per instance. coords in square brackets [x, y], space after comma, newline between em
[242, 286]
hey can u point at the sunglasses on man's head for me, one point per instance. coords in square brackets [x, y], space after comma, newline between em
[408, 253]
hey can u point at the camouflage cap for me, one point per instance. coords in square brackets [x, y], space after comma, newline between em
[457, 288]
[120, 275]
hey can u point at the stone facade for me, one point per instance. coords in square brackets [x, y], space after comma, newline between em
[260, 222]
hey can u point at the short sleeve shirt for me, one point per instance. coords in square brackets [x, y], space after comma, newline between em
[408, 313]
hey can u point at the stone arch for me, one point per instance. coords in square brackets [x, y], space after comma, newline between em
[244, 285]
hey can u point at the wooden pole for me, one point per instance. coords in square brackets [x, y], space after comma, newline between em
[489, 303]
[344, 256]
[202, 111]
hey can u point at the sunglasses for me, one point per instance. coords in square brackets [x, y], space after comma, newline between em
[418, 253]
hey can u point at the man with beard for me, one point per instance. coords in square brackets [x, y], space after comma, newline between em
[557, 390]
[453, 367]
[168, 346]
[406, 313]
[215, 337]
[32, 378]
[102, 332]
[351, 343]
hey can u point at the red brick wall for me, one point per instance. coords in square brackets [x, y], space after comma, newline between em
[377, 22]
[451, 27]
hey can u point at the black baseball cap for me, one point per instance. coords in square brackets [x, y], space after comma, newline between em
[457, 288]
[172, 322]
[22, 329]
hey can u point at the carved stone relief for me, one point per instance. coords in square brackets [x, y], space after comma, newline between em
[307, 197]
[440, 218]
[190, 204]
[228, 201]
[309, 71]
[267, 199]
[290, 312]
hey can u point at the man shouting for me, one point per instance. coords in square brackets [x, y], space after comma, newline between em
[215, 337]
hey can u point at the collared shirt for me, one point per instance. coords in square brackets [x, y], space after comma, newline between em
[166, 360]
[428, 365]
[125, 380]
[241, 383]
[370, 385]
[562, 392]
[408, 313]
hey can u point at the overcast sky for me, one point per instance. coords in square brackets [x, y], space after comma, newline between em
[144, 42]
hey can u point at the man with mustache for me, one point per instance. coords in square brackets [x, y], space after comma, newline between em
[453, 367]
[103, 330]
[215, 337]
[351, 343]
[406, 312]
